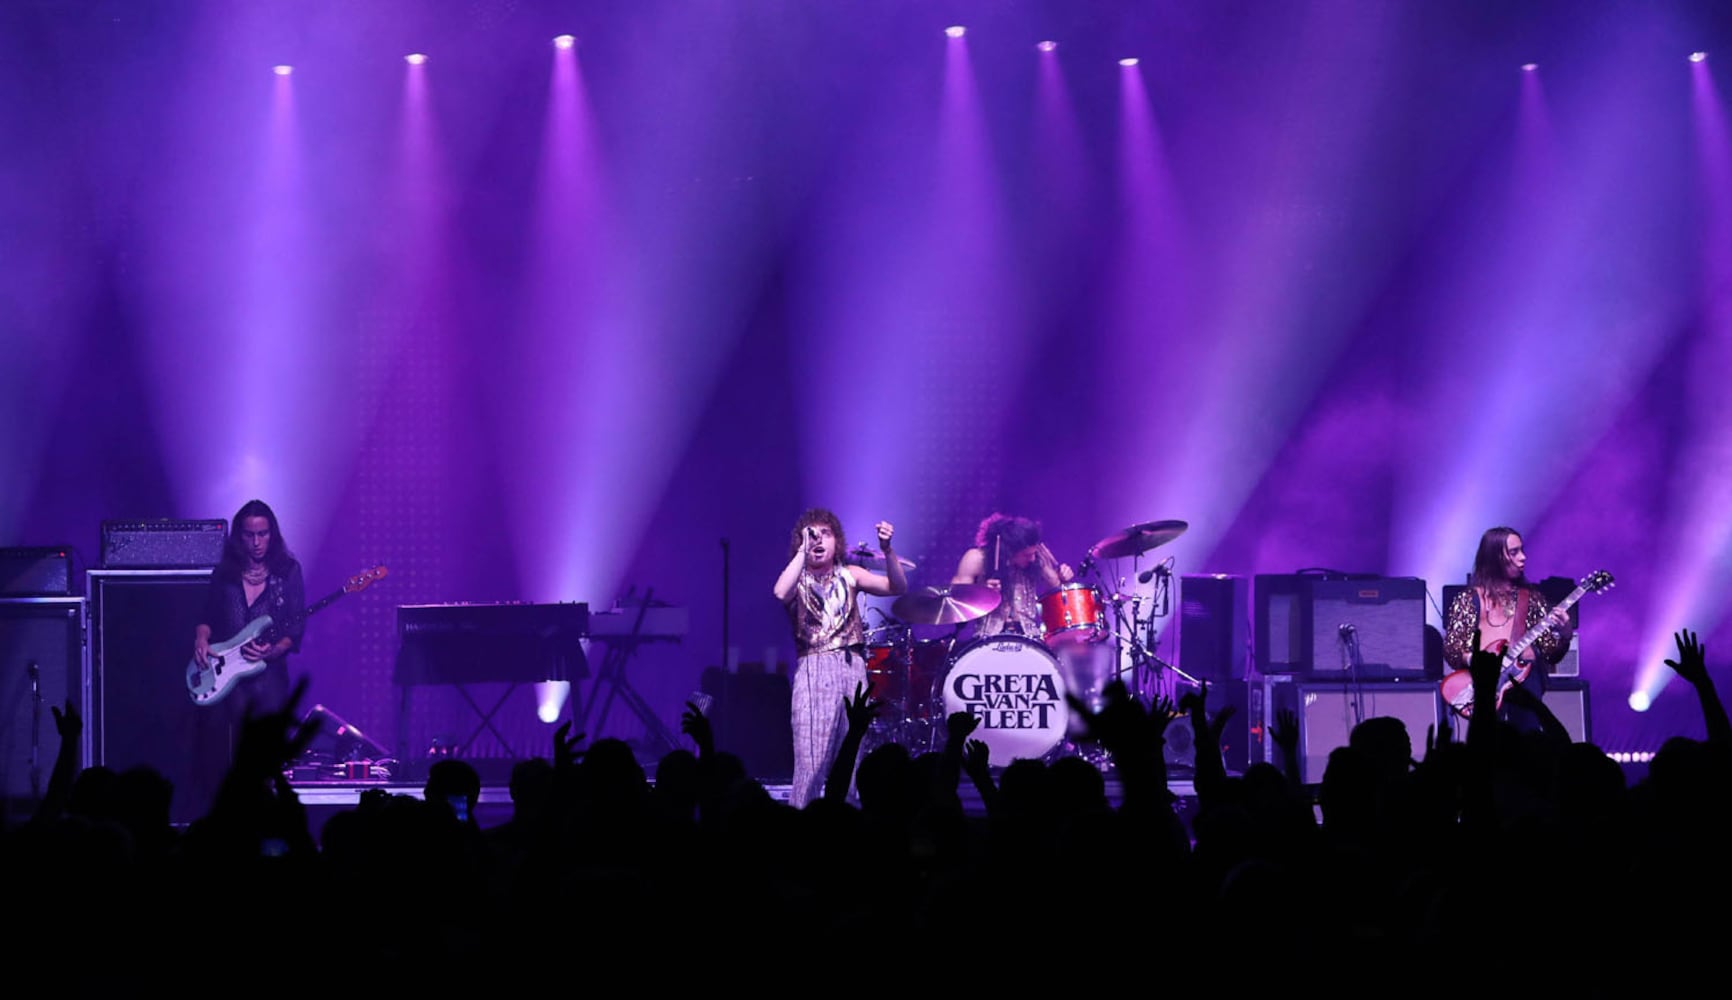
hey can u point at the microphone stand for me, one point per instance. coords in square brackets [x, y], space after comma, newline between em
[1350, 665]
[723, 662]
[35, 730]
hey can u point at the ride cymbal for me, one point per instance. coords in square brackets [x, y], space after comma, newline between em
[952, 605]
[1137, 539]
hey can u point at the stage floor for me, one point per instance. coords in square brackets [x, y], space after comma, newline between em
[323, 798]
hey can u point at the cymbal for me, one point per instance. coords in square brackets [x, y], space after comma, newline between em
[1137, 539]
[870, 559]
[952, 605]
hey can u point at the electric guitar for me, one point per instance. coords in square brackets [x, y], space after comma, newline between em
[1457, 686]
[224, 666]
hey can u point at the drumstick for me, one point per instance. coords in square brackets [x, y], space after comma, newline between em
[996, 542]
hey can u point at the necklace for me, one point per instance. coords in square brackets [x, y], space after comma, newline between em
[1496, 603]
[255, 574]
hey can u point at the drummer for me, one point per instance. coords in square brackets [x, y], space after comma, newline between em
[1009, 556]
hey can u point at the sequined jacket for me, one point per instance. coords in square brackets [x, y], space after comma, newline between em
[1463, 619]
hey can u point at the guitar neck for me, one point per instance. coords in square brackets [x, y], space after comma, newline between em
[1533, 634]
[312, 609]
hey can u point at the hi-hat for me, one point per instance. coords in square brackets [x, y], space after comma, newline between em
[1137, 539]
[952, 605]
[863, 556]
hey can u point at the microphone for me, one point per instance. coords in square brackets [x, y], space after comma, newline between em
[1346, 631]
[35, 677]
[1162, 568]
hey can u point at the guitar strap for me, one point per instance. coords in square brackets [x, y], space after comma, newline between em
[1520, 626]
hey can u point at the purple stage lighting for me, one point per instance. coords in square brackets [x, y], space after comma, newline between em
[956, 31]
[415, 58]
[1530, 67]
[564, 41]
[1128, 61]
[1698, 56]
[282, 70]
[1048, 46]
[1697, 558]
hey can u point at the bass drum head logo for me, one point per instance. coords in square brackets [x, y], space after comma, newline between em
[1014, 686]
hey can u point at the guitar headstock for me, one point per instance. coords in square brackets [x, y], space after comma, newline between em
[361, 581]
[1597, 582]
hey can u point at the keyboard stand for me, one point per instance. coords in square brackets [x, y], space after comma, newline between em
[612, 675]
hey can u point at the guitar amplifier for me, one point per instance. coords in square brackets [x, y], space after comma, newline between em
[1369, 628]
[40, 572]
[1331, 628]
[1568, 700]
[163, 544]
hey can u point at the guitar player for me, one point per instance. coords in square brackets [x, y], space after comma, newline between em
[255, 576]
[1503, 606]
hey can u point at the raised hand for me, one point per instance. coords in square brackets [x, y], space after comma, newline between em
[861, 709]
[1692, 661]
[565, 752]
[696, 724]
[960, 725]
[885, 531]
[67, 722]
[1194, 703]
[1438, 738]
[1218, 724]
[1121, 723]
[977, 760]
[1486, 663]
[1285, 731]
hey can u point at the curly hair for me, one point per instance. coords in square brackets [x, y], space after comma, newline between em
[1012, 532]
[814, 516]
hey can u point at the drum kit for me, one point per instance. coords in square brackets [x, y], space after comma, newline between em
[1016, 683]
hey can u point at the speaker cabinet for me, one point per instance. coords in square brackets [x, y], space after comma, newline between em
[1283, 642]
[1567, 697]
[41, 668]
[1328, 712]
[141, 629]
[1241, 738]
[751, 716]
[1213, 626]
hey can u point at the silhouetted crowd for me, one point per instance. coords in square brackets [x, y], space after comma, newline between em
[1420, 865]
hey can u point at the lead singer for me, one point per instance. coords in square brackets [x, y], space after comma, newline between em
[822, 595]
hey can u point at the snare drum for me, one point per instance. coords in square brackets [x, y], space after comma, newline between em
[1014, 685]
[1071, 613]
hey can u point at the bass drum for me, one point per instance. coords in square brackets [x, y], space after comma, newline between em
[1014, 685]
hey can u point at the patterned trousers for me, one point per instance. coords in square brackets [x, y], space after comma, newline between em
[823, 682]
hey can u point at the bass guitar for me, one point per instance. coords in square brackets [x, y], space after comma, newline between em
[1457, 686]
[224, 666]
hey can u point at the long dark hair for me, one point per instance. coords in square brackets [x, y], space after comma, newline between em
[818, 515]
[1489, 574]
[278, 559]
